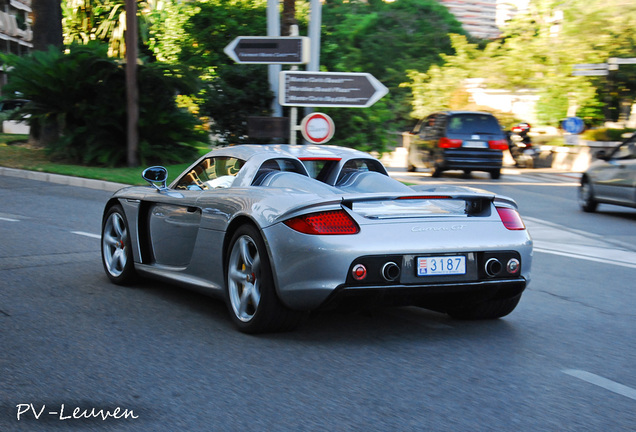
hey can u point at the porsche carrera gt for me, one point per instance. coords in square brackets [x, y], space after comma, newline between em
[277, 231]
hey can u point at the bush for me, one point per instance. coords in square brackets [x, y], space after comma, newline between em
[605, 134]
[82, 95]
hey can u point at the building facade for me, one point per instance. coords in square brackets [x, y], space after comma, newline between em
[484, 18]
[16, 36]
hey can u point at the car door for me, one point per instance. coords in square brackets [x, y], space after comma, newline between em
[616, 179]
[175, 215]
[173, 225]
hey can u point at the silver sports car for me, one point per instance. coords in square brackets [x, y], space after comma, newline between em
[281, 230]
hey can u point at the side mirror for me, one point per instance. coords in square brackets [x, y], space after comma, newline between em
[154, 175]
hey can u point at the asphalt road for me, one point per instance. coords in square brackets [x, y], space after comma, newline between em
[74, 347]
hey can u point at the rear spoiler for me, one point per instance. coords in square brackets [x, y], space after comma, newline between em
[477, 202]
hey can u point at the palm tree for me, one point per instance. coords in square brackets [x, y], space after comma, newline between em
[47, 24]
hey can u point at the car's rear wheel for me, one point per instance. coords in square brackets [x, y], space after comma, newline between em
[117, 255]
[495, 174]
[489, 309]
[251, 295]
[586, 197]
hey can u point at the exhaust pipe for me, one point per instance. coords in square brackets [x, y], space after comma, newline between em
[493, 267]
[391, 271]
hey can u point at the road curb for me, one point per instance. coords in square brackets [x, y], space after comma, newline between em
[62, 179]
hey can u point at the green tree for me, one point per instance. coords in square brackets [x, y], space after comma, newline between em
[232, 92]
[386, 40]
[84, 95]
[105, 20]
[538, 50]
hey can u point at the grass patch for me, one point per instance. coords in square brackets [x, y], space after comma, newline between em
[14, 154]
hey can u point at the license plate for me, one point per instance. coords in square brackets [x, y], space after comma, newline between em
[475, 144]
[441, 265]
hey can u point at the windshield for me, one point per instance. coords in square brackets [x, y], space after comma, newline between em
[473, 124]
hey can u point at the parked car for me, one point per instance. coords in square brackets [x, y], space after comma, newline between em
[12, 104]
[280, 230]
[611, 179]
[458, 140]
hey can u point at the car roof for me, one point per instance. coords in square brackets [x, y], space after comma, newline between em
[245, 151]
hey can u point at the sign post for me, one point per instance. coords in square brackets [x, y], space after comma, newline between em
[269, 50]
[329, 89]
[573, 126]
[591, 69]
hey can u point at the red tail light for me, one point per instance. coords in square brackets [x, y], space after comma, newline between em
[498, 144]
[423, 197]
[449, 143]
[510, 218]
[336, 222]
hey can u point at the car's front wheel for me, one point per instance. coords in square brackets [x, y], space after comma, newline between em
[251, 295]
[586, 197]
[117, 255]
[489, 309]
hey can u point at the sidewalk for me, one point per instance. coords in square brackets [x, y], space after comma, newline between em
[62, 179]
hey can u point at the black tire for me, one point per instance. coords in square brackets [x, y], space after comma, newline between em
[411, 168]
[495, 174]
[489, 309]
[437, 172]
[117, 257]
[251, 295]
[586, 197]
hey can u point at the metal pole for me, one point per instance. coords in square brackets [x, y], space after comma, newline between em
[273, 29]
[132, 91]
[315, 24]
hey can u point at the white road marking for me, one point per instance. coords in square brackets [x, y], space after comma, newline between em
[605, 383]
[557, 239]
[9, 219]
[85, 234]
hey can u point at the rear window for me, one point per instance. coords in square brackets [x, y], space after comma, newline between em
[473, 124]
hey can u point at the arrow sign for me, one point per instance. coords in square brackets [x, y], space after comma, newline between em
[591, 66]
[622, 61]
[590, 72]
[269, 50]
[330, 89]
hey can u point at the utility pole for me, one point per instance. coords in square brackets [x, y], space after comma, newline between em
[273, 29]
[132, 90]
[315, 24]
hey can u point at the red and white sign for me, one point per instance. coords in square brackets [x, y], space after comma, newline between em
[317, 128]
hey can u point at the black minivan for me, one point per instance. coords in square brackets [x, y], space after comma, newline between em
[458, 140]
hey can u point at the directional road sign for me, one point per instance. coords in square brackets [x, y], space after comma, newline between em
[590, 66]
[591, 72]
[269, 50]
[330, 89]
[591, 69]
[622, 61]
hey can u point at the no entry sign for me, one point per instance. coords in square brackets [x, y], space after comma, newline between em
[317, 128]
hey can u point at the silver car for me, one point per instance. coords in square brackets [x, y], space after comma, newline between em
[279, 230]
[611, 179]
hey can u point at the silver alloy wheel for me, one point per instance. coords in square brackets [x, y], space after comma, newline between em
[114, 241]
[243, 278]
[586, 197]
[585, 193]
